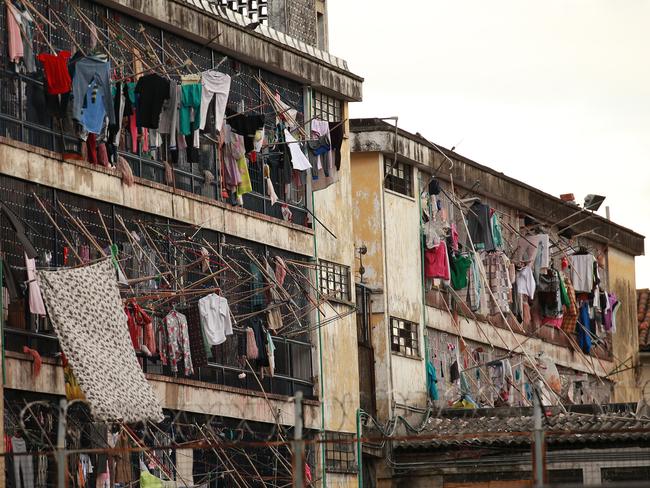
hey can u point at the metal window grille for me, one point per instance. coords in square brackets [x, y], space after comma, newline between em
[255, 10]
[399, 176]
[335, 280]
[325, 107]
[340, 452]
[404, 337]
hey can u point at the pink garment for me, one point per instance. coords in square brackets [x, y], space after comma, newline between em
[102, 155]
[280, 270]
[133, 129]
[436, 262]
[36, 305]
[15, 41]
[553, 321]
[251, 346]
[145, 140]
[454, 237]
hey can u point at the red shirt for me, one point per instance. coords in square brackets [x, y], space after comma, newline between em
[56, 72]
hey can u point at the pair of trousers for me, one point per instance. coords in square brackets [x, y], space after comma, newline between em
[23, 464]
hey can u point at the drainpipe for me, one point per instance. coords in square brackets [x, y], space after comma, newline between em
[360, 412]
[538, 438]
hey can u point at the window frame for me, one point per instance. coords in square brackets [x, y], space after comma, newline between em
[326, 107]
[340, 457]
[331, 274]
[398, 176]
[410, 331]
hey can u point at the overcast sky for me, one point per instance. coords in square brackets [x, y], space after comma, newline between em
[555, 93]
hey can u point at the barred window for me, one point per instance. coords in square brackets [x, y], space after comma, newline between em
[405, 337]
[335, 280]
[255, 10]
[399, 176]
[325, 107]
[340, 452]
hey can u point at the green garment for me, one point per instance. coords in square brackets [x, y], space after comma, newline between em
[190, 101]
[497, 235]
[459, 266]
[563, 292]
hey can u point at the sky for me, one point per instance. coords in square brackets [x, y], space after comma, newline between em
[553, 93]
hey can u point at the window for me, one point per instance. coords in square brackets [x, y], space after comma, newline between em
[638, 473]
[325, 107]
[404, 336]
[335, 281]
[399, 176]
[339, 452]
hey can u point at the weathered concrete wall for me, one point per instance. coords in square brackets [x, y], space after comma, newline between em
[186, 395]
[197, 24]
[43, 167]
[296, 18]
[622, 282]
[340, 367]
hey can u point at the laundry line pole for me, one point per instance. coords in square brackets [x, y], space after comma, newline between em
[61, 454]
[538, 439]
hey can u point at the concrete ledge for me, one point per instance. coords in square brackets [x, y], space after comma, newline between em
[199, 25]
[45, 167]
[174, 394]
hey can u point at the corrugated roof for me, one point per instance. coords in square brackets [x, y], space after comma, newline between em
[499, 428]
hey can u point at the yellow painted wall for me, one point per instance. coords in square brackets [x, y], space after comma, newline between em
[622, 282]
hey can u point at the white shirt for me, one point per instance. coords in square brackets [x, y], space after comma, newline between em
[582, 272]
[215, 319]
[526, 281]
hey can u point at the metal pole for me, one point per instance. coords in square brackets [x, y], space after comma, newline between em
[61, 455]
[538, 439]
[360, 412]
[298, 468]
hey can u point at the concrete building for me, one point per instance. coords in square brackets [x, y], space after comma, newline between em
[306, 227]
[407, 322]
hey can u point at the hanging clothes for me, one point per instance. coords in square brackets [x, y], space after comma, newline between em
[177, 343]
[526, 281]
[215, 319]
[497, 233]
[214, 85]
[14, 37]
[480, 229]
[582, 272]
[23, 465]
[584, 328]
[248, 126]
[57, 76]
[87, 70]
[459, 266]
[432, 381]
[93, 112]
[570, 318]
[199, 348]
[245, 186]
[550, 298]
[497, 275]
[36, 305]
[151, 91]
[336, 136]
[189, 114]
[298, 159]
[436, 262]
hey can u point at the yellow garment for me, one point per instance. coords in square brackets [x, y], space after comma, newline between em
[72, 388]
[245, 186]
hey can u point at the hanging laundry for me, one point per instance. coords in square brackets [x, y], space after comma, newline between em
[233, 151]
[432, 381]
[86, 71]
[298, 159]
[36, 305]
[526, 281]
[93, 112]
[151, 90]
[582, 272]
[23, 465]
[459, 266]
[189, 116]
[550, 298]
[199, 348]
[269, 185]
[570, 318]
[245, 186]
[497, 275]
[215, 85]
[169, 115]
[14, 37]
[246, 126]
[609, 316]
[480, 229]
[215, 319]
[436, 262]
[584, 328]
[57, 76]
[497, 233]
[177, 343]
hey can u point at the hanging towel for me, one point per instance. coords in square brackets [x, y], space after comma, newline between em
[298, 159]
[251, 346]
[36, 305]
